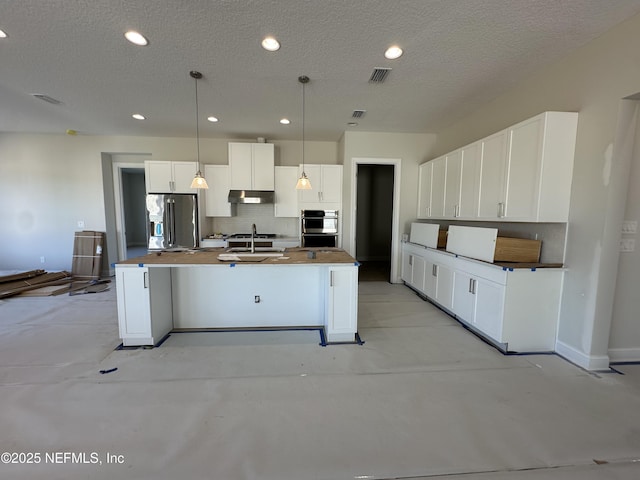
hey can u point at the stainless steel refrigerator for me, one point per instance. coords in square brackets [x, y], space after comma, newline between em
[172, 221]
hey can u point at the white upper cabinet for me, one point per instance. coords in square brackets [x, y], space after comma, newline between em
[438, 182]
[492, 176]
[452, 184]
[424, 190]
[252, 166]
[286, 195]
[217, 195]
[470, 181]
[541, 154]
[169, 177]
[326, 187]
[521, 174]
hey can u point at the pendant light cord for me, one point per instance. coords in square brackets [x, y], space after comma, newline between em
[197, 125]
[303, 97]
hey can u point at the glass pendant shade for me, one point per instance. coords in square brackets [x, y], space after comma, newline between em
[199, 181]
[303, 182]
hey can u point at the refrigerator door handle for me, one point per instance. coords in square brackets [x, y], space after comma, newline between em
[168, 225]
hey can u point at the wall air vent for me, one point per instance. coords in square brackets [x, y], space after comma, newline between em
[358, 113]
[379, 75]
[46, 98]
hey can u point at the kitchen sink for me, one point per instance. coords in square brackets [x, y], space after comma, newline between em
[247, 256]
[261, 250]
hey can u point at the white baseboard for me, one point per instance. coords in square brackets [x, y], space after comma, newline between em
[588, 362]
[624, 354]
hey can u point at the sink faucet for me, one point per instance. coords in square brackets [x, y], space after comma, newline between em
[253, 238]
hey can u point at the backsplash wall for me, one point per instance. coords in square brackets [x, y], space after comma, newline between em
[247, 215]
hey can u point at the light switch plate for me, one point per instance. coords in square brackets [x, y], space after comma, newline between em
[627, 245]
[630, 226]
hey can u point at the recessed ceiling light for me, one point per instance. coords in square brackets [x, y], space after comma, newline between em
[285, 121]
[136, 38]
[393, 52]
[137, 116]
[270, 44]
[212, 119]
[3, 34]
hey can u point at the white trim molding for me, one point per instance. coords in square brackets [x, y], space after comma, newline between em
[624, 354]
[395, 222]
[588, 362]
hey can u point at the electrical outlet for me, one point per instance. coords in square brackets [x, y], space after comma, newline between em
[42, 260]
[627, 245]
[80, 223]
[630, 226]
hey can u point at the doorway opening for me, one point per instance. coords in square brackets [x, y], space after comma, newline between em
[374, 219]
[131, 216]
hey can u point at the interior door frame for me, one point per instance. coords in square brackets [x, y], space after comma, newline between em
[395, 217]
[118, 197]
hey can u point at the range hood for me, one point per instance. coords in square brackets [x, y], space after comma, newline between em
[250, 196]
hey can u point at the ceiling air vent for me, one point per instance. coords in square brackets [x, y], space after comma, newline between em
[46, 98]
[379, 75]
[358, 113]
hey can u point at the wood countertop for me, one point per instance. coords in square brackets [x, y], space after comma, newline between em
[209, 256]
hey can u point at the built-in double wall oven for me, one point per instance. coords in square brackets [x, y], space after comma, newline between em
[319, 228]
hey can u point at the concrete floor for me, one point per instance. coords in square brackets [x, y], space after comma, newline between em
[422, 398]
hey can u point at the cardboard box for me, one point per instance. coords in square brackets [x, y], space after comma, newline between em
[87, 255]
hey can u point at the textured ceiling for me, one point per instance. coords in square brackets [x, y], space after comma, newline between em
[459, 54]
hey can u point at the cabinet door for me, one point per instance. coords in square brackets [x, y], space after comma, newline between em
[430, 279]
[217, 195]
[286, 195]
[263, 166]
[492, 176]
[444, 286]
[133, 301]
[240, 163]
[470, 181]
[331, 183]
[418, 274]
[183, 173]
[452, 184]
[314, 175]
[424, 190]
[158, 176]
[407, 267]
[342, 304]
[464, 300]
[489, 308]
[524, 168]
[438, 187]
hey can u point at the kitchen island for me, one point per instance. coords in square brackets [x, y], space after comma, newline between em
[210, 289]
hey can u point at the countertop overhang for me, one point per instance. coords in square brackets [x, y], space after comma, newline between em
[209, 256]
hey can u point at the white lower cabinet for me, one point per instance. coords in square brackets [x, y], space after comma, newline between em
[141, 297]
[426, 271]
[479, 303]
[515, 308]
[342, 304]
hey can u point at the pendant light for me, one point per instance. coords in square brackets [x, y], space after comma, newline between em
[303, 181]
[198, 181]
